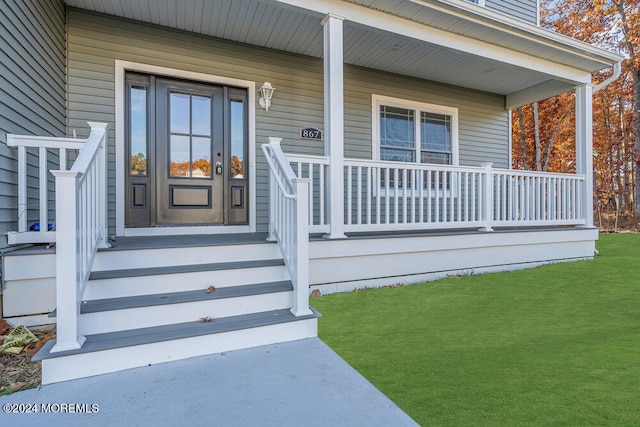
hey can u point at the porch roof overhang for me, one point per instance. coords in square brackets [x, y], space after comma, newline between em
[449, 41]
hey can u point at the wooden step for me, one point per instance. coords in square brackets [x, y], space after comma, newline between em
[99, 316]
[116, 351]
[166, 252]
[143, 281]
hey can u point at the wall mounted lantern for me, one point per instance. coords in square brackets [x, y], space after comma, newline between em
[266, 92]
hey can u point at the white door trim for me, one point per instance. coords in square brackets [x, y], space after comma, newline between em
[120, 68]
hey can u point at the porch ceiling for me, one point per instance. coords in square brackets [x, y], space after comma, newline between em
[415, 44]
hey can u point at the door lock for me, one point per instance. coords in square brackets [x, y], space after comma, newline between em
[218, 168]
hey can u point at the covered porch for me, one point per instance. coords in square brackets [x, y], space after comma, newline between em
[342, 216]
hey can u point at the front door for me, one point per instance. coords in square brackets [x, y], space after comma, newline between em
[187, 143]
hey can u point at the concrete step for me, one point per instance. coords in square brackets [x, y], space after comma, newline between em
[125, 313]
[144, 281]
[116, 351]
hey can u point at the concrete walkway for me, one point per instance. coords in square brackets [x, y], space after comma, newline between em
[302, 383]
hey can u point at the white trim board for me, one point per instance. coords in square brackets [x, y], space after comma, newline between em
[120, 68]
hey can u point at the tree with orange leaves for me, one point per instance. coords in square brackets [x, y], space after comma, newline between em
[544, 137]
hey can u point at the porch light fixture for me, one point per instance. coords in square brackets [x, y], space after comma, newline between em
[266, 92]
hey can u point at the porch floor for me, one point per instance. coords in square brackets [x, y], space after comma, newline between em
[297, 383]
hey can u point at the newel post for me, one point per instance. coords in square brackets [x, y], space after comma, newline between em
[301, 281]
[488, 197]
[68, 296]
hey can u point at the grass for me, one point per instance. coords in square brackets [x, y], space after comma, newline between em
[555, 345]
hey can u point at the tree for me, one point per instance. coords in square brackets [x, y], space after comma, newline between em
[544, 137]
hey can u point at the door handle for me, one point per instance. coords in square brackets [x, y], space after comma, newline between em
[218, 168]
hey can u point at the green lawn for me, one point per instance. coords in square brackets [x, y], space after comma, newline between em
[555, 345]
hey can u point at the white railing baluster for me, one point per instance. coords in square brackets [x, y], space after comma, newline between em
[22, 189]
[43, 176]
[395, 195]
[414, 185]
[368, 195]
[386, 195]
[437, 196]
[404, 196]
[359, 195]
[378, 190]
[349, 179]
[421, 195]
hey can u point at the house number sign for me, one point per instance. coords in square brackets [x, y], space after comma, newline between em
[311, 133]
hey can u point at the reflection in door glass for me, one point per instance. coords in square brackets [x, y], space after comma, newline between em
[190, 130]
[201, 115]
[179, 156]
[237, 139]
[201, 155]
[138, 130]
[180, 112]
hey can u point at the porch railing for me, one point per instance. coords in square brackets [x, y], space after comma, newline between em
[34, 198]
[81, 211]
[316, 170]
[289, 221]
[387, 196]
[534, 198]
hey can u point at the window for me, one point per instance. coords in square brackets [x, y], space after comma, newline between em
[407, 131]
[478, 2]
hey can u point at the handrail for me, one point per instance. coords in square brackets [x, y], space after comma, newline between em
[44, 142]
[288, 222]
[319, 160]
[285, 193]
[81, 212]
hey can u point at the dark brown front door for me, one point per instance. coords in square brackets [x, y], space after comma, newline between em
[189, 153]
[187, 163]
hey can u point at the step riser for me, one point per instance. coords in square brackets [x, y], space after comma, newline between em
[146, 285]
[162, 257]
[142, 317]
[90, 364]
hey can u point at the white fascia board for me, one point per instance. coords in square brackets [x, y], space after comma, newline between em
[537, 93]
[394, 24]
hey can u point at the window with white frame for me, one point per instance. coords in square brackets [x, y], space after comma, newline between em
[408, 131]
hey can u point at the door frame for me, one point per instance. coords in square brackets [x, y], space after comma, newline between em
[120, 68]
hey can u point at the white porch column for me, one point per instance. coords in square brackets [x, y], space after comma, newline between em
[334, 122]
[584, 147]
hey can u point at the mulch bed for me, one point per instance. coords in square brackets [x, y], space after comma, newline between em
[17, 371]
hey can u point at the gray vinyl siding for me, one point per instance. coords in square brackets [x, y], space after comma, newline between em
[96, 41]
[32, 91]
[526, 10]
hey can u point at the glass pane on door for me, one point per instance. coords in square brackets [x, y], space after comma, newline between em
[237, 139]
[190, 135]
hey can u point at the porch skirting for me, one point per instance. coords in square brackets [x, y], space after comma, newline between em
[370, 260]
